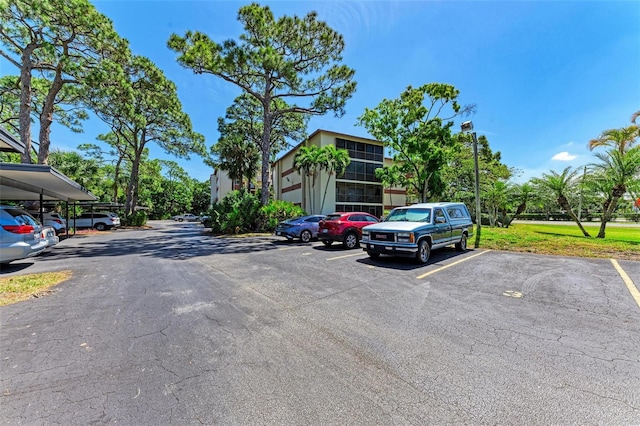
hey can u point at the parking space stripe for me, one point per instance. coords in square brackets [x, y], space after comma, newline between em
[346, 255]
[635, 293]
[450, 265]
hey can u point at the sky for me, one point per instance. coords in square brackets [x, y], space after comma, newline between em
[546, 76]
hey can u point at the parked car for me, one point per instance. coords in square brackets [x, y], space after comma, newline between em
[20, 235]
[49, 235]
[98, 220]
[186, 217]
[345, 228]
[304, 227]
[415, 230]
[52, 219]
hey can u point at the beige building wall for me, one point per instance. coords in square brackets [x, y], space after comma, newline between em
[290, 185]
[396, 196]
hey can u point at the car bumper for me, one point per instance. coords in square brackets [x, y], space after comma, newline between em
[329, 237]
[21, 250]
[391, 250]
[286, 234]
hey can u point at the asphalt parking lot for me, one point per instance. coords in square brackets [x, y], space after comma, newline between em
[172, 326]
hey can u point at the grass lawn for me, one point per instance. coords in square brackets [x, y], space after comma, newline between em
[23, 287]
[621, 242]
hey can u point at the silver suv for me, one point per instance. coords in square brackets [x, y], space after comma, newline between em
[52, 219]
[98, 220]
[20, 235]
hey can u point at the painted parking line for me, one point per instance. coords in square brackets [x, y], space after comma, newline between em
[450, 265]
[346, 255]
[635, 293]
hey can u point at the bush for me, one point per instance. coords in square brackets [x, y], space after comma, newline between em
[240, 211]
[139, 218]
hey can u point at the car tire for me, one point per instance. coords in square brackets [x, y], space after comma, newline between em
[350, 240]
[100, 226]
[424, 251]
[180, 219]
[462, 245]
[327, 243]
[373, 254]
[305, 236]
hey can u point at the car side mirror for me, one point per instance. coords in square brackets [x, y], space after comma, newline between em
[440, 220]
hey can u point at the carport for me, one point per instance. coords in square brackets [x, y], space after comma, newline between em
[36, 182]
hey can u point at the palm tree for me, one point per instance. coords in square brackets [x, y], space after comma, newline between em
[308, 161]
[619, 170]
[561, 184]
[619, 165]
[336, 162]
[620, 139]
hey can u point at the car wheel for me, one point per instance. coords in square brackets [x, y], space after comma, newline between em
[180, 219]
[327, 242]
[100, 226]
[350, 240]
[424, 251]
[373, 254]
[305, 237]
[462, 245]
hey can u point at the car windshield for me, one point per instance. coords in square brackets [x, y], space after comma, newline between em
[409, 215]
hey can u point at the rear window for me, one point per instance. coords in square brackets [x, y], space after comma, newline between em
[334, 217]
[22, 217]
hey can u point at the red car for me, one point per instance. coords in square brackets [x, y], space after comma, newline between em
[345, 228]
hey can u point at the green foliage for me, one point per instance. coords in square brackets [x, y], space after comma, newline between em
[64, 41]
[237, 212]
[139, 218]
[142, 107]
[293, 60]
[241, 211]
[277, 211]
[418, 137]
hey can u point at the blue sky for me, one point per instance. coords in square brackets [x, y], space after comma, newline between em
[546, 76]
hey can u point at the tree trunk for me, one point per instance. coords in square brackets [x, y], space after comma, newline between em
[325, 191]
[46, 117]
[609, 209]
[25, 104]
[565, 205]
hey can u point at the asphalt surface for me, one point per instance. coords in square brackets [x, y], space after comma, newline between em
[171, 326]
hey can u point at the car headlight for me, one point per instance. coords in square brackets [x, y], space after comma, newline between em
[405, 237]
[365, 235]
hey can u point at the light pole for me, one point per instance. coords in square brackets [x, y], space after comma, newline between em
[467, 126]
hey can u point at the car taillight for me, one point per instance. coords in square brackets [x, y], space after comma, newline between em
[57, 221]
[18, 229]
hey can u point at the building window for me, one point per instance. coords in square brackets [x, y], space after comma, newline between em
[374, 210]
[359, 170]
[361, 150]
[350, 192]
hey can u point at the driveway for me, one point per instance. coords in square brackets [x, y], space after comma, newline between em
[169, 326]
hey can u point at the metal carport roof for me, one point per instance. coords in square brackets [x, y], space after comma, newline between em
[24, 182]
[30, 181]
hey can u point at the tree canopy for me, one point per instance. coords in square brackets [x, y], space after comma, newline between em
[291, 59]
[417, 132]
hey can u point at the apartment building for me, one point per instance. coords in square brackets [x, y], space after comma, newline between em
[355, 190]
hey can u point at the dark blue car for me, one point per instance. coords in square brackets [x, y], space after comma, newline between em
[305, 228]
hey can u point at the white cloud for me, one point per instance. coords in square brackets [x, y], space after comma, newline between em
[564, 156]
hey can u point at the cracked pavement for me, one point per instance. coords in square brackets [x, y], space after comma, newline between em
[170, 326]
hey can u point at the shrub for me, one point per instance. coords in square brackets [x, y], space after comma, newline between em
[240, 211]
[277, 211]
[139, 218]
